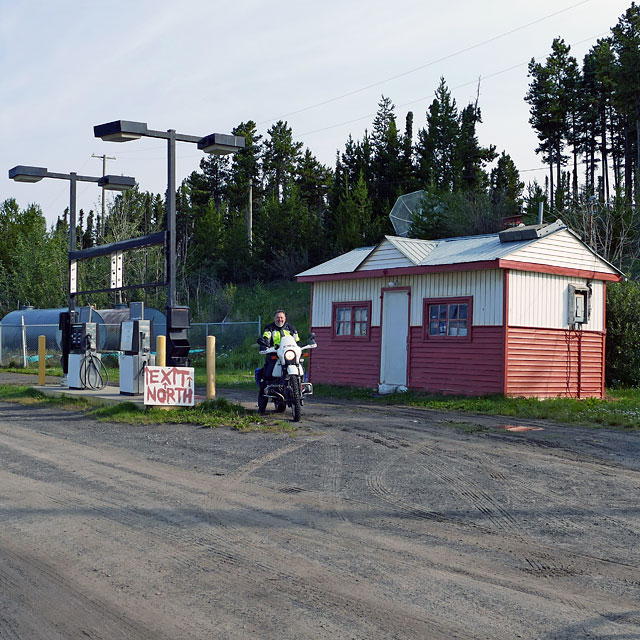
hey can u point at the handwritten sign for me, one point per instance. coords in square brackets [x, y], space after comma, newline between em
[169, 386]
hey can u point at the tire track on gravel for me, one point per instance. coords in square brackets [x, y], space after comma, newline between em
[181, 548]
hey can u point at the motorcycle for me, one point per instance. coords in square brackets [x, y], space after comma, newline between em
[286, 386]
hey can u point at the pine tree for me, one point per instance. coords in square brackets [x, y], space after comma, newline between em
[280, 159]
[471, 158]
[386, 183]
[549, 97]
[353, 217]
[437, 144]
[506, 187]
[626, 44]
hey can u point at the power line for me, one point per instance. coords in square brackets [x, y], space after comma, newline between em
[460, 86]
[428, 64]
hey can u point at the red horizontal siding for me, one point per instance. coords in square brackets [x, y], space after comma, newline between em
[554, 362]
[466, 368]
[346, 362]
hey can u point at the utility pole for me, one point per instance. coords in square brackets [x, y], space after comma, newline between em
[249, 220]
[104, 158]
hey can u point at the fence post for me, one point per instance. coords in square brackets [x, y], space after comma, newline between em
[42, 347]
[211, 367]
[0, 345]
[24, 344]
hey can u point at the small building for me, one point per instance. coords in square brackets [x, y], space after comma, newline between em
[520, 313]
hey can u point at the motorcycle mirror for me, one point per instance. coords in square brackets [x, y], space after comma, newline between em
[312, 336]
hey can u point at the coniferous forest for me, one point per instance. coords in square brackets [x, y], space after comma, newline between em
[586, 114]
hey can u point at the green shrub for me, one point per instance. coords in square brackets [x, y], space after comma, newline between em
[623, 334]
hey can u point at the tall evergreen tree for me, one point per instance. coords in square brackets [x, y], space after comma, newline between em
[385, 162]
[626, 44]
[470, 157]
[280, 159]
[438, 143]
[550, 96]
[506, 187]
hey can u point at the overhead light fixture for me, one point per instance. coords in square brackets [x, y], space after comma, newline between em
[221, 144]
[120, 131]
[117, 183]
[23, 173]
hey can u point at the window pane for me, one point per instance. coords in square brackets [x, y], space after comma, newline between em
[453, 328]
[442, 328]
[343, 314]
[464, 310]
[433, 311]
[453, 312]
[462, 331]
[443, 311]
[433, 328]
[343, 328]
[360, 314]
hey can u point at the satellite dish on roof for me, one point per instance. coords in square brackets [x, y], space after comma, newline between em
[401, 215]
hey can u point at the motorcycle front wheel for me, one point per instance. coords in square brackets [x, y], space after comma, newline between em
[296, 397]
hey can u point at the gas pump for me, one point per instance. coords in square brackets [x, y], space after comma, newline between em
[65, 320]
[85, 366]
[135, 345]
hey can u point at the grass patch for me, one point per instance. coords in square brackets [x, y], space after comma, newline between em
[28, 395]
[621, 407]
[212, 414]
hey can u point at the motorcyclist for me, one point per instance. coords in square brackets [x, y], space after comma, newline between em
[271, 337]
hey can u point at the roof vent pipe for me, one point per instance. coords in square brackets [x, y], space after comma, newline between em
[540, 211]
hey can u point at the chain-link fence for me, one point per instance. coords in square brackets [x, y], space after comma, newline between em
[19, 342]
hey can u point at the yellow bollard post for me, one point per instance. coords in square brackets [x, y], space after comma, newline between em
[211, 367]
[161, 351]
[42, 347]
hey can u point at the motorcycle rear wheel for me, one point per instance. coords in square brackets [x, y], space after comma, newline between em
[262, 403]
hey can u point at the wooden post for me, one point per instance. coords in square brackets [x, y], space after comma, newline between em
[211, 367]
[42, 347]
[161, 351]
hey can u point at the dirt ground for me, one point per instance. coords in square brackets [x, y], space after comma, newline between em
[372, 522]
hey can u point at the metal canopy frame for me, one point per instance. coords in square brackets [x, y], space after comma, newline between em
[116, 251]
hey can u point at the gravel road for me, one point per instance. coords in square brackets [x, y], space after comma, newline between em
[372, 523]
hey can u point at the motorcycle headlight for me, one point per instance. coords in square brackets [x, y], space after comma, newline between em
[289, 356]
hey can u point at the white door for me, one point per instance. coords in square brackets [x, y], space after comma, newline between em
[395, 328]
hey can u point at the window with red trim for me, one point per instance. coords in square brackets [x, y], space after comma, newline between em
[352, 319]
[447, 318]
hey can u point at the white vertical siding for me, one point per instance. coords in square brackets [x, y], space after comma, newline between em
[386, 256]
[541, 300]
[561, 249]
[484, 286]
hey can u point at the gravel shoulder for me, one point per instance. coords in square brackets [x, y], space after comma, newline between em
[372, 522]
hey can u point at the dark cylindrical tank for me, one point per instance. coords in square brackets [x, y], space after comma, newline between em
[45, 322]
[113, 318]
[37, 322]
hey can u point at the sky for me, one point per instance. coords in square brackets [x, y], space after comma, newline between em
[204, 66]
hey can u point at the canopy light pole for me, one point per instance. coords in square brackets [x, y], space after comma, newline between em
[23, 173]
[215, 143]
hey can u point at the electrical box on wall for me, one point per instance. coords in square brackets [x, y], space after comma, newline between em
[579, 304]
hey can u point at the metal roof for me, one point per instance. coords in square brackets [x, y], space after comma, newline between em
[345, 263]
[415, 250]
[471, 249]
[447, 251]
